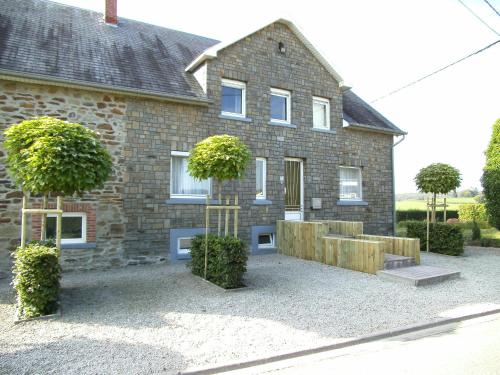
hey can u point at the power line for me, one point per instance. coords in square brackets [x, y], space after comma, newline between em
[492, 7]
[478, 18]
[435, 72]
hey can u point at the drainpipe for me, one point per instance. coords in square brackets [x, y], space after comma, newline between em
[394, 186]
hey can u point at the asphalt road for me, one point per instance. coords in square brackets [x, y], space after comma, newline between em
[468, 347]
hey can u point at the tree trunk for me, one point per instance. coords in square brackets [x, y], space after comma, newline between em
[433, 217]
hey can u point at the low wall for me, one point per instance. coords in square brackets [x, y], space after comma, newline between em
[301, 239]
[344, 228]
[354, 254]
[408, 247]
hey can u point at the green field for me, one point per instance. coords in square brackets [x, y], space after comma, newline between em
[414, 204]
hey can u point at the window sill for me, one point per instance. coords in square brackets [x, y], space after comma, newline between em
[87, 245]
[351, 203]
[262, 202]
[201, 201]
[236, 118]
[286, 125]
[324, 130]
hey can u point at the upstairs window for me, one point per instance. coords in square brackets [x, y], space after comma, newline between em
[233, 98]
[260, 178]
[280, 106]
[321, 113]
[73, 228]
[350, 183]
[182, 185]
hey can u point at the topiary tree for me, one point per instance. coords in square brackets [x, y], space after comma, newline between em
[437, 178]
[47, 155]
[491, 177]
[221, 157]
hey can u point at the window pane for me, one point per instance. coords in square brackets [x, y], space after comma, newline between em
[350, 183]
[319, 115]
[184, 245]
[231, 100]
[71, 227]
[266, 240]
[278, 108]
[259, 178]
[182, 182]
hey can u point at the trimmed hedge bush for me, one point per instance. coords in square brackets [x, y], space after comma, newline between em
[403, 215]
[472, 212]
[443, 238]
[36, 279]
[227, 260]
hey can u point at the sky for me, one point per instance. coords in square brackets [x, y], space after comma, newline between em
[377, 47]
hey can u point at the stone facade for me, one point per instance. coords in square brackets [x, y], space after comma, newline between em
[134, 212]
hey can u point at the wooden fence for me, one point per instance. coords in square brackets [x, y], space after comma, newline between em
[344, 228]
[353, 254]
[408, 247]
[301, 239]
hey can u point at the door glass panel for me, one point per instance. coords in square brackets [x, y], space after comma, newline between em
[293, 188]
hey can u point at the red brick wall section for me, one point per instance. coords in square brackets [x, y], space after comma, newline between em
[36, 220]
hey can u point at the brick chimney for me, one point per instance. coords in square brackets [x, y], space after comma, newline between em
[110, 14]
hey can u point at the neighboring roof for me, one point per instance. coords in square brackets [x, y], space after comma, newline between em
[359, 114]
[47, 39]
[211, 52]
[50, 42]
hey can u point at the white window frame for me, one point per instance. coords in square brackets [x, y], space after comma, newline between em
[285, 94]
[269, 245]
[360, 181]
[237, 85]
[326, 103]
[82, 239]
[264, 178]
[185, 196]
[179, 244]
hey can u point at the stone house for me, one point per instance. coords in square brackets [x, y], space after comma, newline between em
[320, 152]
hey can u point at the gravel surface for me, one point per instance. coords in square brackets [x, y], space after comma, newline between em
[161, 319]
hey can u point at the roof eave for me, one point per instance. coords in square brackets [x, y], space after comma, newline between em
[375, 129]
[126, 91]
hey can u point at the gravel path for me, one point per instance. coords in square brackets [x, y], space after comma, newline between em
[161, 319]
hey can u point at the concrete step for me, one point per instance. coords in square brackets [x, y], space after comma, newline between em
[392, 261]
[418, 275]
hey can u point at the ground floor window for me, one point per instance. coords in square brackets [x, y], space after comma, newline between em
[182, 184]
[350, 183]
[74, 227]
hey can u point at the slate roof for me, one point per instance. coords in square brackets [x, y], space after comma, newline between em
[57, 42]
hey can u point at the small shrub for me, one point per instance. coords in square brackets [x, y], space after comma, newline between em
[36, 279]
[227, 258]
[490, 242]
[404, 215]
[472, 212]
[443, 238]
[476, 232]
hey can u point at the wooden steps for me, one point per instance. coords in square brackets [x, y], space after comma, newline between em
[392, 261]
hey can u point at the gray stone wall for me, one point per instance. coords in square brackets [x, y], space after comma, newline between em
[133, 217]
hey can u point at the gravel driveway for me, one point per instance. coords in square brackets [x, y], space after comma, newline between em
[161, 319]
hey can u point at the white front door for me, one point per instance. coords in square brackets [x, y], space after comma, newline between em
[294, 189]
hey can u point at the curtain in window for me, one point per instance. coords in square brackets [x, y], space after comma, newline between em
[319, 115]
[350, 183]
[259, 178]
[183, 183]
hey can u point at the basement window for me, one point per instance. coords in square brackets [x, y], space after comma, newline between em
[266, 240]
[184, 245]
[74, 227]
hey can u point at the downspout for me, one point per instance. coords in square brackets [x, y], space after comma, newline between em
[394, 186]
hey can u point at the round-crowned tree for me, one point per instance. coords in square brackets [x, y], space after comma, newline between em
[50, 155]
[222, 157]
[491, 178]
[437, 178]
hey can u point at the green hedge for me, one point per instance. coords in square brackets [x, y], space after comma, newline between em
[227, 259]
[403, 215]
[443, 238]
[36, 279]
[472, 212]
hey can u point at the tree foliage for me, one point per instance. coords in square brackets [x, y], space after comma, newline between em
[491, 177]
[438, 178]
[222, 157]
[50, 155]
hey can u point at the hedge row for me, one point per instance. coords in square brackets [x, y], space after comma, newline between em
[227, 259]
[443, 238]
[403, 215]
[36, 279]
[472, 212]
